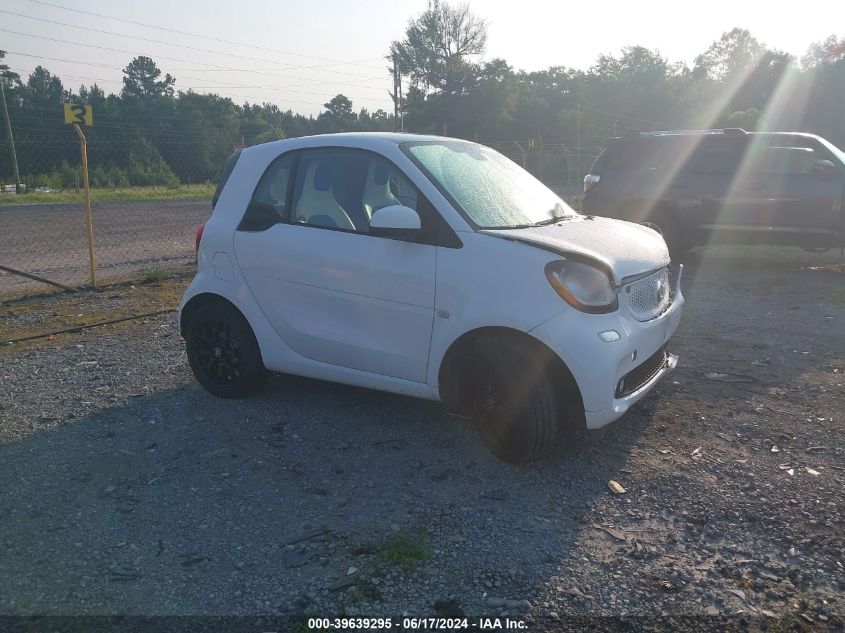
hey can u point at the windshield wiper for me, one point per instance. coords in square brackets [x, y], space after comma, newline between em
[552, 220]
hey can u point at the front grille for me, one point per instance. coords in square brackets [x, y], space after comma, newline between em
[641, 374]
[649, 297]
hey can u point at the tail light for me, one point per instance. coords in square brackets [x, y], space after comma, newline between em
[200, 229]
[590, 181]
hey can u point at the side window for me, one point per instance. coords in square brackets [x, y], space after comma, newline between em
[630, 154]
[715, 157]
[224, 176]
[794, 161]
[342, 189]
[268, 205]
[272, 189]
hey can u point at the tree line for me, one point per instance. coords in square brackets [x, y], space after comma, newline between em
[151, 133]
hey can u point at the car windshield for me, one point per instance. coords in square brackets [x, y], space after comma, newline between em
[492, 191]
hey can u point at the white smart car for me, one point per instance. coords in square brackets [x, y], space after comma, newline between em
[434, 268]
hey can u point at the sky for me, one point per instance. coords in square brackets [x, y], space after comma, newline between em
[299, 54]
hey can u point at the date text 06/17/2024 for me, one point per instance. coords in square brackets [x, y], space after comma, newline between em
[417, 624]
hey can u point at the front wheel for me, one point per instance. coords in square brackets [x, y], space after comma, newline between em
[515, 407]
[222, 351]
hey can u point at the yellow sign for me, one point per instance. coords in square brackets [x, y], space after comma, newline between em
[75, 113]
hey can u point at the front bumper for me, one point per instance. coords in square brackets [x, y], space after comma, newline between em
[598, 366]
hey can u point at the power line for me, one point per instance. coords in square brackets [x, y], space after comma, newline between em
[193, 48]
[205, 37]
[79, 62]
[188, 61]
[224, 87]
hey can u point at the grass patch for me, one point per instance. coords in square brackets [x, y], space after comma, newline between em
[127, 194]
[835, 294]
[155, 274]
[780, 280]
[405, 550]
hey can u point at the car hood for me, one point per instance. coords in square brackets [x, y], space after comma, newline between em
[625, 248]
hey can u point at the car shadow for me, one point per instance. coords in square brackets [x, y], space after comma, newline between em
[181, 503]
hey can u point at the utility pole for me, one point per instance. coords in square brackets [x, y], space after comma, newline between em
[11, 138]
[578, 139]
[397, 97]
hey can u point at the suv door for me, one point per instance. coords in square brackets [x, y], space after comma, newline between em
[802, 200]
[333, 292]
[709, 184]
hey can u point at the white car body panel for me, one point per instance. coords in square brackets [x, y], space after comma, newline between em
[625, 248]
[382, 313]
[373, 313]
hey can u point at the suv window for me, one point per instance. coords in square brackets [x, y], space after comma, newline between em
[342, 189]
[629, 154]
[716, 157]
[788, 160]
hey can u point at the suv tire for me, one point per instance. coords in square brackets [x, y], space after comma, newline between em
[222, 351]
[515, 407]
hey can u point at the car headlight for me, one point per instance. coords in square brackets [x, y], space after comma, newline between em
[582, 286]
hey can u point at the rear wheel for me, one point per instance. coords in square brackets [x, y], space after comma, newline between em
[515, 407]
[222, 351]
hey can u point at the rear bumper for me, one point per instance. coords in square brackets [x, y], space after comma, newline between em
[598, 366]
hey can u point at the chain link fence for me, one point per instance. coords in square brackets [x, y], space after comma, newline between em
[145, 208]
[148, 197]
[560, 163]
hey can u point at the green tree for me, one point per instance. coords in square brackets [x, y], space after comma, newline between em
[6, 74]
[826, 52]
[438, 46]
[732, 53]
[141, 81]
[339, 115]
[147, 167]
[43, 92]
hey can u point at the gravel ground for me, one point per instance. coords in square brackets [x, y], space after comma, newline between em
[129, 490]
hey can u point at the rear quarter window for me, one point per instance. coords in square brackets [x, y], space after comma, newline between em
[224, 176]
[629, 155]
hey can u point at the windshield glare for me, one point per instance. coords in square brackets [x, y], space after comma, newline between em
[492, 191]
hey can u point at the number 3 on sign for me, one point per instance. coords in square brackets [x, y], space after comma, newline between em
[75, 113]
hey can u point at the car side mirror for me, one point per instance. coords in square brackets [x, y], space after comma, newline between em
[824, 170]
[259, 216]
[396, 221]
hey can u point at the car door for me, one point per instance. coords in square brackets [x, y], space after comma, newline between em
[802, 200]
[333, 292]
[716, 186]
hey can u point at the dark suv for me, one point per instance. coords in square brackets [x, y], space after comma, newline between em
[726, 185]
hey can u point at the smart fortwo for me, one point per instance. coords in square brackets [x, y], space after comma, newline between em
[434, 268]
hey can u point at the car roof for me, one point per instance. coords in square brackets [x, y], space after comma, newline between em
[669, 135]
[363, 140]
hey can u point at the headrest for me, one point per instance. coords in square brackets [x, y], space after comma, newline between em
[380, 174]
[323, 177]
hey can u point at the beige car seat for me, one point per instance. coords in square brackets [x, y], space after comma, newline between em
[377, 194]
[278, 191]
[317, 204]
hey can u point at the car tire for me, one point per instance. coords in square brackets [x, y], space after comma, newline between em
[515, 407]
[222, 351]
